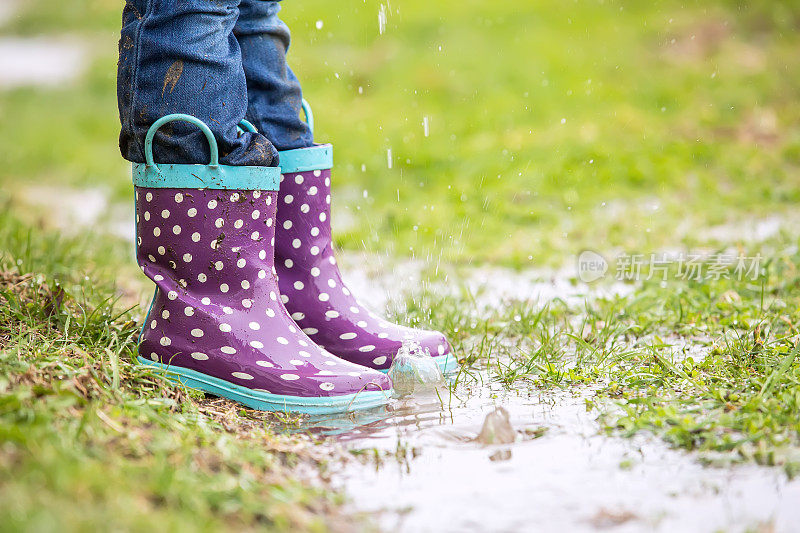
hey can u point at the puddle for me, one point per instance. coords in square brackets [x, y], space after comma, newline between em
[75, 210]
[560, 474]
[41, 61]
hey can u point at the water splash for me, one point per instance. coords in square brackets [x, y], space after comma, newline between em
[414, 370]
[382, 15]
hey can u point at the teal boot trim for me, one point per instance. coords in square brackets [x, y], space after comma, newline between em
[264, 401]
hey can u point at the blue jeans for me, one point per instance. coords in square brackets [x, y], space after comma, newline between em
[219, 60]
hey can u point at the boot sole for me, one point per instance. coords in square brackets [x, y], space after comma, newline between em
[447, 364]
[263, 401]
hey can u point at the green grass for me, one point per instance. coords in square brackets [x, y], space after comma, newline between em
[553, 127]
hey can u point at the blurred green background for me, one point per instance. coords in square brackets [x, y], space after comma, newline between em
[551, 126]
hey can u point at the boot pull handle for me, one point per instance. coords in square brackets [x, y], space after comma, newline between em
[151, 133]
[309, 115]
[246, 125]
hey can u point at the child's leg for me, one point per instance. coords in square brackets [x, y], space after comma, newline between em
[273, 90]
[182, 57]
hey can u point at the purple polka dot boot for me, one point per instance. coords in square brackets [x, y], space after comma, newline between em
[309, 279]
[217, 322]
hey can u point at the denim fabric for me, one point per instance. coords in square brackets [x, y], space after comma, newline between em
[185, 57]
[273, 92]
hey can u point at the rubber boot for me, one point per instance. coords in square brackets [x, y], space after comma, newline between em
[309, 278]
[205, 236]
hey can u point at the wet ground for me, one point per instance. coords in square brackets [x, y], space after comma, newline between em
[560, 474]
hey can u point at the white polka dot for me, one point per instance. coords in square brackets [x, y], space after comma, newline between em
[158, 277]
[201, 277]
[379, 360]
[227, 310]
[214, 244]
[256, 213]
[304, 353]
[225, 328]
[326, 386]
[212, 204]
[314, 231]
[287, 224]
[188, 311]
[296, 362]
[315, 271]
[256, 194]
[172, 295]
[284, 298]
[270, 312]
[332, 260]
[317, 173]
[354, 374]
[254, 235]
[247, 303]
[165, 341]
[328, 199]
[178, 198]
[295, 243]
[304, 208]
[238, 224]
[218, 265]
[325, 373]
[219, 222]
[235, 197]
[149, 196]
[197, 332]
[288, 263]
[262, 254]
[324, 297]
[332, 314]
[290, 377]
[224, 288]
[440, 349]
[382, 335]
[262, 274]
[196, 237]
[265, 364]
[147, 215]
[241, 375]
[347, 336]
[241, 263]
[255, 326]
[345, 291]
[257, 345]
[354, 309]
[206, 300]
[310, 331]
[165, 314]
[187, 258]
[245, 284]
[151, 258]
[176, 229]
[298, 315]
[301, 342]
[228, 350]
[330, 363]
[269, 200]
[322, 217]
[331, 283]
[165, 213]
[298, 179]
[366, 348]
[288, 199]
[192, 212]
[200, 356]
[361, 324]
[156, 231]
[153, 324]
[312, 190]
[314, 250]
[282, 340]
[299, 285]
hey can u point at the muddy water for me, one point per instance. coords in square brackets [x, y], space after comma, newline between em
[560, 474]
